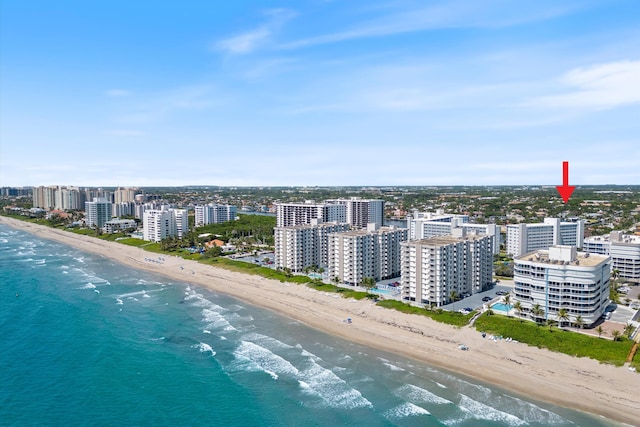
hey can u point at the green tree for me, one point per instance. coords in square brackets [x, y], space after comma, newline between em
[563, 316]
[615, 334]
[517, 306]
[368, 282]
[600, 331]
[507, 301]
[628, 330]
[550, 323]
[453, 296]
[579, 322]
[537, 312]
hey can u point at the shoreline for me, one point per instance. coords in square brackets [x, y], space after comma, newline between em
[576, 383]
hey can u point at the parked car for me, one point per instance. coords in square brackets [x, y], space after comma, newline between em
[485, 299]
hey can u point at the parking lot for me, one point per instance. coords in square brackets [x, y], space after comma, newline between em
[475, 301]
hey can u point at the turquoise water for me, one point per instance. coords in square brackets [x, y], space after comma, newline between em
[501, 307]
[88, 342]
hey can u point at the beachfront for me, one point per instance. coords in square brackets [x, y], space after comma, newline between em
[561, 379]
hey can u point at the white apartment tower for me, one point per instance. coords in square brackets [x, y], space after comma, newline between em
[362, 212]
[562, 278]
[214, 214]
[435, 267]
[525, 238]
[291, 214]
[44, 197]
[423, 225]
[159, 224]
[624, 250]
[124, 195]
[372, 252]
[97, 212]
[304, 245]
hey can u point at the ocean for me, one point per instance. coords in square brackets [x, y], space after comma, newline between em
[85, 341]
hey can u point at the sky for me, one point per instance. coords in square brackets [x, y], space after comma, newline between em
[319, 92]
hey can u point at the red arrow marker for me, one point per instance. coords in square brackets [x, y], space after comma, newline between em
[565, 189]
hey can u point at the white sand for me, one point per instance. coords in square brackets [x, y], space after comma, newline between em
[579, 383]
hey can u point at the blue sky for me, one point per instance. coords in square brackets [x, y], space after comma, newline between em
[319, 92]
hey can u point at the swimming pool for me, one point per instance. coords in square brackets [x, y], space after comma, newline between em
[385, 291]
[501, 307]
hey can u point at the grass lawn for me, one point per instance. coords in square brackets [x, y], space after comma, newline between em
[449, 317]
[568, 342]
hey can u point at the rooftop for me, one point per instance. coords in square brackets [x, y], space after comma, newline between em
[582, 259]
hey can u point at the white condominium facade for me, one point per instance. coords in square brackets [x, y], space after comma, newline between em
[44, 197]
[423, 225]
[624, 250]
[214, 214]
[97, 212]
[525, 238]
[292, 214]
[434, 267]
[562, 278]
[158, 224]
[304, 245]
[362, 212]
[374, 253]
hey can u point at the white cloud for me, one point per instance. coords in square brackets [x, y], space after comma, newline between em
[449, 14]
[117, 93]
[598, 87]
[251, 40]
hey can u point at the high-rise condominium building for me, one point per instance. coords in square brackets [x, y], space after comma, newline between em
[124, 194]
[525, 238]
[291, 214]
[362, 212]
[562, 278]
[436, 269]
[423, 225]
[373, 253]
[214, 214]
[624, 250]
[97, 212]
[303, 246]
[158, 224]
[44, 197]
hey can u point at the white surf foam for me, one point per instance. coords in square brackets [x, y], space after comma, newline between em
[331, 389]
[404, 410]
[481, 411]
[263, 359]
[215, 320]
[88, 286]
[204, 348]
[418, 395]
[393, 367]
[119, 301]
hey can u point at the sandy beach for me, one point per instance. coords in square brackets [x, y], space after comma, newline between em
[584, 384]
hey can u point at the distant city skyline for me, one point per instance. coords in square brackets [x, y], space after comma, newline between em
[319, 93]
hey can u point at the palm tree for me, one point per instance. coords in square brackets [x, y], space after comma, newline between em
[336, 280]
[507, 301]
[579, 322]
[628, 330]
[368, 282]
[518, 308]
[453, 295]
[615, 334]
[537, 312]
[563, 315]
[550, 323]
[600, 331]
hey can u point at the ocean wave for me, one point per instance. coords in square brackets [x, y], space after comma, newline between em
[480, 411]
[204, 348]
[215, 320]
[404, 410]
[332, 390]
[417, 394]
[258, 358]
[119, 301]
[266, 341]
[88, 286]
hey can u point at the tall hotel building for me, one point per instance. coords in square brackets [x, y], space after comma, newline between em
[303, 246]
[624, 250]
[434, 267]
[124, 195]
[563, 278]
[525, 238]
[97, 212]
[423, 225]
[362, 212]
[371, 252]
[291, 214]
[158, 224]
[214, 214]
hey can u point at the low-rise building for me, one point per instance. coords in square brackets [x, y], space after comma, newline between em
[624, 250]
[562, 278]
[117, 225]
